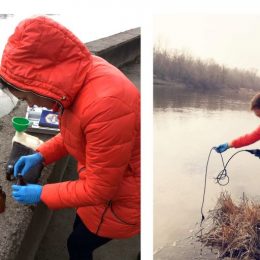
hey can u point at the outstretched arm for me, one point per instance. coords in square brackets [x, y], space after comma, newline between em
[246, 139]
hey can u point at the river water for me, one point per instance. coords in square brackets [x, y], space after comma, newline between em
[7, 102]
[186, 126]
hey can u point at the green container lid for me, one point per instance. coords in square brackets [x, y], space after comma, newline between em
[20, 123]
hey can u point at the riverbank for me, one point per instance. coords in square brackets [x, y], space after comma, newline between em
[171, 85]
[178, 95]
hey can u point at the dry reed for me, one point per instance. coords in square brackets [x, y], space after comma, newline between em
[234, 229]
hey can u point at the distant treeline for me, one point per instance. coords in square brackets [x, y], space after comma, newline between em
[203, 75]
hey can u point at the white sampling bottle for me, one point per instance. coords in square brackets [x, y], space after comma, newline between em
[21, 124]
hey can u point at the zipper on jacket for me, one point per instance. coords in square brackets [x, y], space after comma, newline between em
[108, 204]
[120, 219]
[28, 91]
[81, 169]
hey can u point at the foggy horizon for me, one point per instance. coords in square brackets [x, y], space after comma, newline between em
[230, 40]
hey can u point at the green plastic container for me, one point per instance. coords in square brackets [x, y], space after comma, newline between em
[20, 123]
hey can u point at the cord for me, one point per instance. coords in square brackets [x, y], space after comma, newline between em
[222, 175]
[205, 185]
[221, 179]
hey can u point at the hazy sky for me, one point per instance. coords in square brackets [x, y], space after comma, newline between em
[229, 39]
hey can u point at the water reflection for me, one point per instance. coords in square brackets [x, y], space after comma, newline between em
[178, 98]
[8, 102]
[5, 16]
[183, 136]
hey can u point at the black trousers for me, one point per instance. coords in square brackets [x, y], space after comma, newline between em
[81, 242]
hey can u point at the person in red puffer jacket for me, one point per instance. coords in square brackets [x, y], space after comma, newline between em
[99, 109]
[248, 138]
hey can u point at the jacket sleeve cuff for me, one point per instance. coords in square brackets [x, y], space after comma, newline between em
[53, 201]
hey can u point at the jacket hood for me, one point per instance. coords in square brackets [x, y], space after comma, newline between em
[44, 57]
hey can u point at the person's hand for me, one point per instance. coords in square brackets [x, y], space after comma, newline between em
[222, 148]
[26, 163]
[28, 194]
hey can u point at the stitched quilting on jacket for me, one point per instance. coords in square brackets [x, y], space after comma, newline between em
[100, 124]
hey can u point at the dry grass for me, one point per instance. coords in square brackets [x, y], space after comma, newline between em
[235, 229]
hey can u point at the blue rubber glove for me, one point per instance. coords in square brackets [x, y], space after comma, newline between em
[28, 194]
[26, 163]
[222, 148]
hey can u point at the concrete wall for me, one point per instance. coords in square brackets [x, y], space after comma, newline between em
[118, 49]
[28, 233]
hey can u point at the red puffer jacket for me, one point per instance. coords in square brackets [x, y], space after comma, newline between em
[100, 124]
